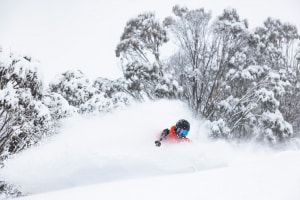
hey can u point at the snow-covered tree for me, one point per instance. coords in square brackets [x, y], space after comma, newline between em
[204, 53]
[252, 110]
[100, 103]
[109, 95]
[271, 125]
[74, 86]
[144, 81]
[24, 119]
[109, 87]
[139, 52]
[219, 129]
[277, 48]
[224, 76]
[9, 191]
[277, 44]
[58, 106]
[189, 30]
[73, 92]
[141, 40]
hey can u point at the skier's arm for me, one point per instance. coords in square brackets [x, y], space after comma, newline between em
[163, 136]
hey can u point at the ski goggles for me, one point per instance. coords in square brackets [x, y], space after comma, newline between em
[182, 132]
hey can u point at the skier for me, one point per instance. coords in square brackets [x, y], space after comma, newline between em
[177, 133]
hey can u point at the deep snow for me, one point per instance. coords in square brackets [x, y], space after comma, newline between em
[113, 156]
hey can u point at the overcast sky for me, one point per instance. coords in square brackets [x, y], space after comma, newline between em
[83, 34]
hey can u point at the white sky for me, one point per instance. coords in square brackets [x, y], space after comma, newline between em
[83, 34]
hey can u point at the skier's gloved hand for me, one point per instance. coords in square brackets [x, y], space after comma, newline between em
[157, 143]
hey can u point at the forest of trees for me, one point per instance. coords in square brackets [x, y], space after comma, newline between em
[244, 82]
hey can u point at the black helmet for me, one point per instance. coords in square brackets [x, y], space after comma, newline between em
[183, 124]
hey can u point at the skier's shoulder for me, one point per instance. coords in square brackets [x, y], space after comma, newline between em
[172, 128]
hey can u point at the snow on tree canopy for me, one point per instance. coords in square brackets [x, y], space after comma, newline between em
[252, 72]
[279, 82]
[101, 103]
[267, 97]
[219, 129]
[9, 97]
[74, 86]
[58, 106]
[276, 127]
[24, 118]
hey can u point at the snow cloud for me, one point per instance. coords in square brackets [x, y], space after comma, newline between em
[116, 146]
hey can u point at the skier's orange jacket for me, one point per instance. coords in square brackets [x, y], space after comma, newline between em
[171, 136]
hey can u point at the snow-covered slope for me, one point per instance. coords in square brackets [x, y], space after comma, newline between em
[113, 156]
[274, 178]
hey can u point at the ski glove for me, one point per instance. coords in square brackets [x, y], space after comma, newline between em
[157, 143]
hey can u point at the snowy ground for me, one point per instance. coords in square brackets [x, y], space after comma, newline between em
[113, 156]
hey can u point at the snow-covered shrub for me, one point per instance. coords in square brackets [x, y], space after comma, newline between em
[237, 113]
[141, 78]
[74, 86]
[267, 100]
[279, 83]
[9, 191]
[275, 128]
[100, 103]
[219, 129]
[24, 119]
[58, 106]
[252, 102]
[109, 87]
[167, 87]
